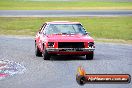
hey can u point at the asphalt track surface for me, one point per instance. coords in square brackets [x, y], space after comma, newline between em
[60, 71]
[63, 13]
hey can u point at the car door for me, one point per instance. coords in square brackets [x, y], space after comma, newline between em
[41, 37]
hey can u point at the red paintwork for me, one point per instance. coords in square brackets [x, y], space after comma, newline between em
[69, 38]
[44, 39]
[3, 75]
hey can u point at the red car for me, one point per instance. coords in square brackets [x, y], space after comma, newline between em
[63, 38]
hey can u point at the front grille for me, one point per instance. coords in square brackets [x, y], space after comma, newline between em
[70, 45]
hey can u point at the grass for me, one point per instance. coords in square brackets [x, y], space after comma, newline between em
[99, 27]
[61, 5]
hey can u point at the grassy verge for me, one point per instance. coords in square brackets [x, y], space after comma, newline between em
[113, 41]
[52, 5]
[118, 28]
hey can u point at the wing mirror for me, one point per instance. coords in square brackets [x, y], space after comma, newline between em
[88, 33]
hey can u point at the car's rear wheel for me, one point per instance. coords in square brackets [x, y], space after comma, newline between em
[90, 56]
[37, 51]
[46, 56]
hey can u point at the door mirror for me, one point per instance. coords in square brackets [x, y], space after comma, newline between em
[87, 33]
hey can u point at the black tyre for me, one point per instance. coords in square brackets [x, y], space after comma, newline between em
[90, 56]
[37, 51]
[46, 56]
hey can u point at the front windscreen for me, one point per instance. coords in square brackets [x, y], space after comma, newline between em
[65, 29]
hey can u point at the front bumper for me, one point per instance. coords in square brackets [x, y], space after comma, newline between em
[70, 49]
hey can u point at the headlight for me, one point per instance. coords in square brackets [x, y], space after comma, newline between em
[91, 44]
[50, 44]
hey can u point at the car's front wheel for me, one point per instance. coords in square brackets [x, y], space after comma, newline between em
[37, 51]
[90, 56]
[46, 56]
